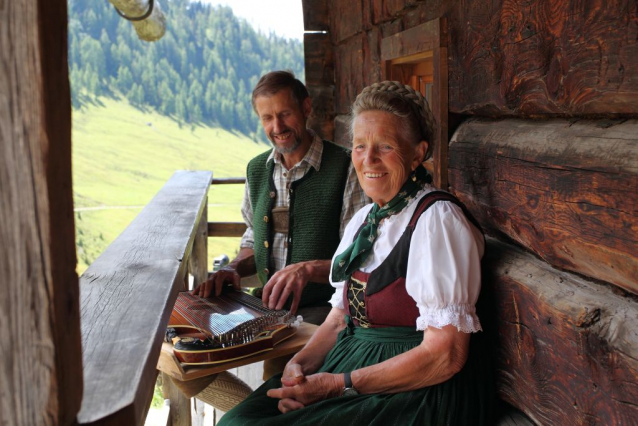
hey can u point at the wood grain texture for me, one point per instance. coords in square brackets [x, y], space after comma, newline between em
[41, 370]
[566, 190]
[566, 350]
[126, 297]
[340, 28]
[315, 15]
[198, 258]
[226, 229]
[544, 57]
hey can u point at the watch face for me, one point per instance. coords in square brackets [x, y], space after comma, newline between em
[350, 392]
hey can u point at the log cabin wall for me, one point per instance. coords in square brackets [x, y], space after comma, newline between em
[542, 101]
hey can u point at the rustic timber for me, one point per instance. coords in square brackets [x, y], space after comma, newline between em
[180, 405]
[41, 368]
[566, 350]
[315, 15]
[319, 68]
[226, 229]
[543, 57]
[228, 181]
[151, 28]
[567, 190]
[127, 296]
[198, 256]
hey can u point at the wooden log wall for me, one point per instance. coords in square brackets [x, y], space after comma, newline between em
[567, 190]
[566, 350]
[41, 368]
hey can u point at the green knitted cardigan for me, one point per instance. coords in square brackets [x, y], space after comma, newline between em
[314, 215]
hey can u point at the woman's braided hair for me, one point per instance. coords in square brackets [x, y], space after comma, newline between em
[402, 101]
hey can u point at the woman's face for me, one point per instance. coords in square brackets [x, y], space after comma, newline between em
[382, 159]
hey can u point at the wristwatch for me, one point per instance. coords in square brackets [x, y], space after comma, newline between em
[348, 389]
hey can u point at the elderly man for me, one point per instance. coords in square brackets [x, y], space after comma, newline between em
[299, 197]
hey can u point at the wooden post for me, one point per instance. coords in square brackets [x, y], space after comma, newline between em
[41, 368]
[180, 409]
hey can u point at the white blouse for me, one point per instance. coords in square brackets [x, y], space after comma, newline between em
[444, 263]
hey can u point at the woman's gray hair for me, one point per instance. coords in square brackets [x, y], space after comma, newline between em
[402, 101]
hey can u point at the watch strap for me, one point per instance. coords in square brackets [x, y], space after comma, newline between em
[347, 380]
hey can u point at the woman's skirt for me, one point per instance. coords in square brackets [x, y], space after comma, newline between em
[465, 399]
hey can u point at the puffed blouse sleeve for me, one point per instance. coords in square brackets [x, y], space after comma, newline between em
[348, 235]
[444, 268]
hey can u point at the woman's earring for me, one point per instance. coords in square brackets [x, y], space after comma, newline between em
[413, 175]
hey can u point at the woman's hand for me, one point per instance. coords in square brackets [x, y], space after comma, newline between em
[310, 389]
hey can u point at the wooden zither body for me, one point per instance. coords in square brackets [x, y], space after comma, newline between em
[218, 329]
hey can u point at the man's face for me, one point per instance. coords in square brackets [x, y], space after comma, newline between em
[283, 120]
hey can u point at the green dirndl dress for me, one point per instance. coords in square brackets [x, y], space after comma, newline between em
[465, 399]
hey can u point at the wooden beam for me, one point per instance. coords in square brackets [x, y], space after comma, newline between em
[228, 181]
[565, 349]
[41, 368]
[226, 229]
[546, 57]
[127, 296]
[567, 190]
[315, 15]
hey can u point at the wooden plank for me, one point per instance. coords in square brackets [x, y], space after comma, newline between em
[440, 111]
[566, 190]
[41, 368]
[543, 57]
[315, 15]
[342, 29]
[198, 258]
[126, 298]
[348, 72]
[421, 38]
[226, 229]
[566, 350]
[292, 345]
[180, 405]
[318, 60]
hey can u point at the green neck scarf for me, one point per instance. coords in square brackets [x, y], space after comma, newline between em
[354, 256]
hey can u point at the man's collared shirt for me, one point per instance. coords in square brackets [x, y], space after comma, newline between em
[353, 197]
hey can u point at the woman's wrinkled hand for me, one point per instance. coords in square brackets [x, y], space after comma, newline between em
[292, 375]
[310, 389]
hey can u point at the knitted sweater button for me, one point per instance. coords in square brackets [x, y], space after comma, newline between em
[266, 244]
[266, 219]
[272, 194]
[266, 271]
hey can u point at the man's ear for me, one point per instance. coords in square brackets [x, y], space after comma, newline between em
[419, 154]
[307, 107]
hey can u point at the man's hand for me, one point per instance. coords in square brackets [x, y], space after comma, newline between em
[292, 279]
[316, 387]
[217, 280]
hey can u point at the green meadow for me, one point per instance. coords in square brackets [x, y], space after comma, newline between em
[122, 156]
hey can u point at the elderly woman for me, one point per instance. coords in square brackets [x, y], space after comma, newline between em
[399, 346]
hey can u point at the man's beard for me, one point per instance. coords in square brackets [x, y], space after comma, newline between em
[283, 149]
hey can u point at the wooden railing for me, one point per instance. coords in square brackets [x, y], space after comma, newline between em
[128, 293]
[227, 229]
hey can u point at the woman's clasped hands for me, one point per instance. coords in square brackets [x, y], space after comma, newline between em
[299, 390]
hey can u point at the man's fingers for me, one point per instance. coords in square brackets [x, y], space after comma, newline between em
[282, 298]
[296, 298]
[274, 293]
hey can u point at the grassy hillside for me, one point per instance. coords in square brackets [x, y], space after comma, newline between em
[122, 156]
